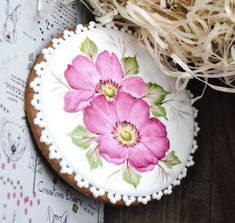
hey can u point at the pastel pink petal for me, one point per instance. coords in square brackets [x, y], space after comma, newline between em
[86, 70]
[109, 66]
[111, 150]
[140, 158]
[153, 128]
[134, 86]
[123, 104]
[139, 113]
[131, 109]
[77, 100]
[76, 80]
[158, 146]
[154, 136]
[100, 117]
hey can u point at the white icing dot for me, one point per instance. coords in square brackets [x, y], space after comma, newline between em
[168, 190]
[50, 50]
[39, 68]
[159, 195]
[81, 182]
[114, 197]
[195, 146]
[190, 162]
[184, 173]
[35, 84]
[65, 169]
[57, 42]
[79, 26]
[39, 120]
[78, 31]
[144, 200]
[35, 102]
[45, 51]
[97, 192]
[68, 34]
[45, 138]
[84, 29]
[128, 200]
[46, 56]
[53, 153]
[91, 25]
[176, 182]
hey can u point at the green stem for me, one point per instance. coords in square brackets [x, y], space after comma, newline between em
[117, 171]
[164, 172]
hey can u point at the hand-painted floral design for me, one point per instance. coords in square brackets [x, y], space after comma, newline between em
[126, 132]
[105, 77]
[119, 114]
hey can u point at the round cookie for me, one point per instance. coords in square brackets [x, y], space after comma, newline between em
[107, 119]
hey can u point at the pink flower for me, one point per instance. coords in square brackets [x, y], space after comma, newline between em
[104, 77]
[126, 132]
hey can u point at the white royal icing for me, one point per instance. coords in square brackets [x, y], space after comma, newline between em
[56, 124]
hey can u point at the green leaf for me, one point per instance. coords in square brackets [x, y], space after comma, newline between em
[131, 176]
[130, 65]
[158, 111]
[94, 158]
[89, 48]
[82, 137]
[155, 93]
[171, 160]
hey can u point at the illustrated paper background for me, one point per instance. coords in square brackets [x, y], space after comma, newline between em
[29, 190]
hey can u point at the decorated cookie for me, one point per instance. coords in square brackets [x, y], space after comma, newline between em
[107, 119]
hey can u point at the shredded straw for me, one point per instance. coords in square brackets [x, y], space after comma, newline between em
[187, 38]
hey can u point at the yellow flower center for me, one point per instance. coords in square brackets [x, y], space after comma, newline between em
[108, 88]
[109, 92]
[126, 136]
[126, 133]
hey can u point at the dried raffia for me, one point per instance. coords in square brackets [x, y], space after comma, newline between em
[187, 38]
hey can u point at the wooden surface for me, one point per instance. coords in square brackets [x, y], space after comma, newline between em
[207, 194]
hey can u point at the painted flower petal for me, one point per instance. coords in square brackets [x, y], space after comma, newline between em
[123, 104]
[109, 66]
[131, 109]
[157, 146]
[154, 137]
[77, 100]
[100, 117]
[134, 86]
[140, 158]
[139, 113]
[153, 128]
[75, 81]
[87, 73]
[111, 150]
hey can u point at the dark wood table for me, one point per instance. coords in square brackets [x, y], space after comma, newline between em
[207, 194]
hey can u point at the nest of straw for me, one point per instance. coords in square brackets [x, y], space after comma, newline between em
[187, 38]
